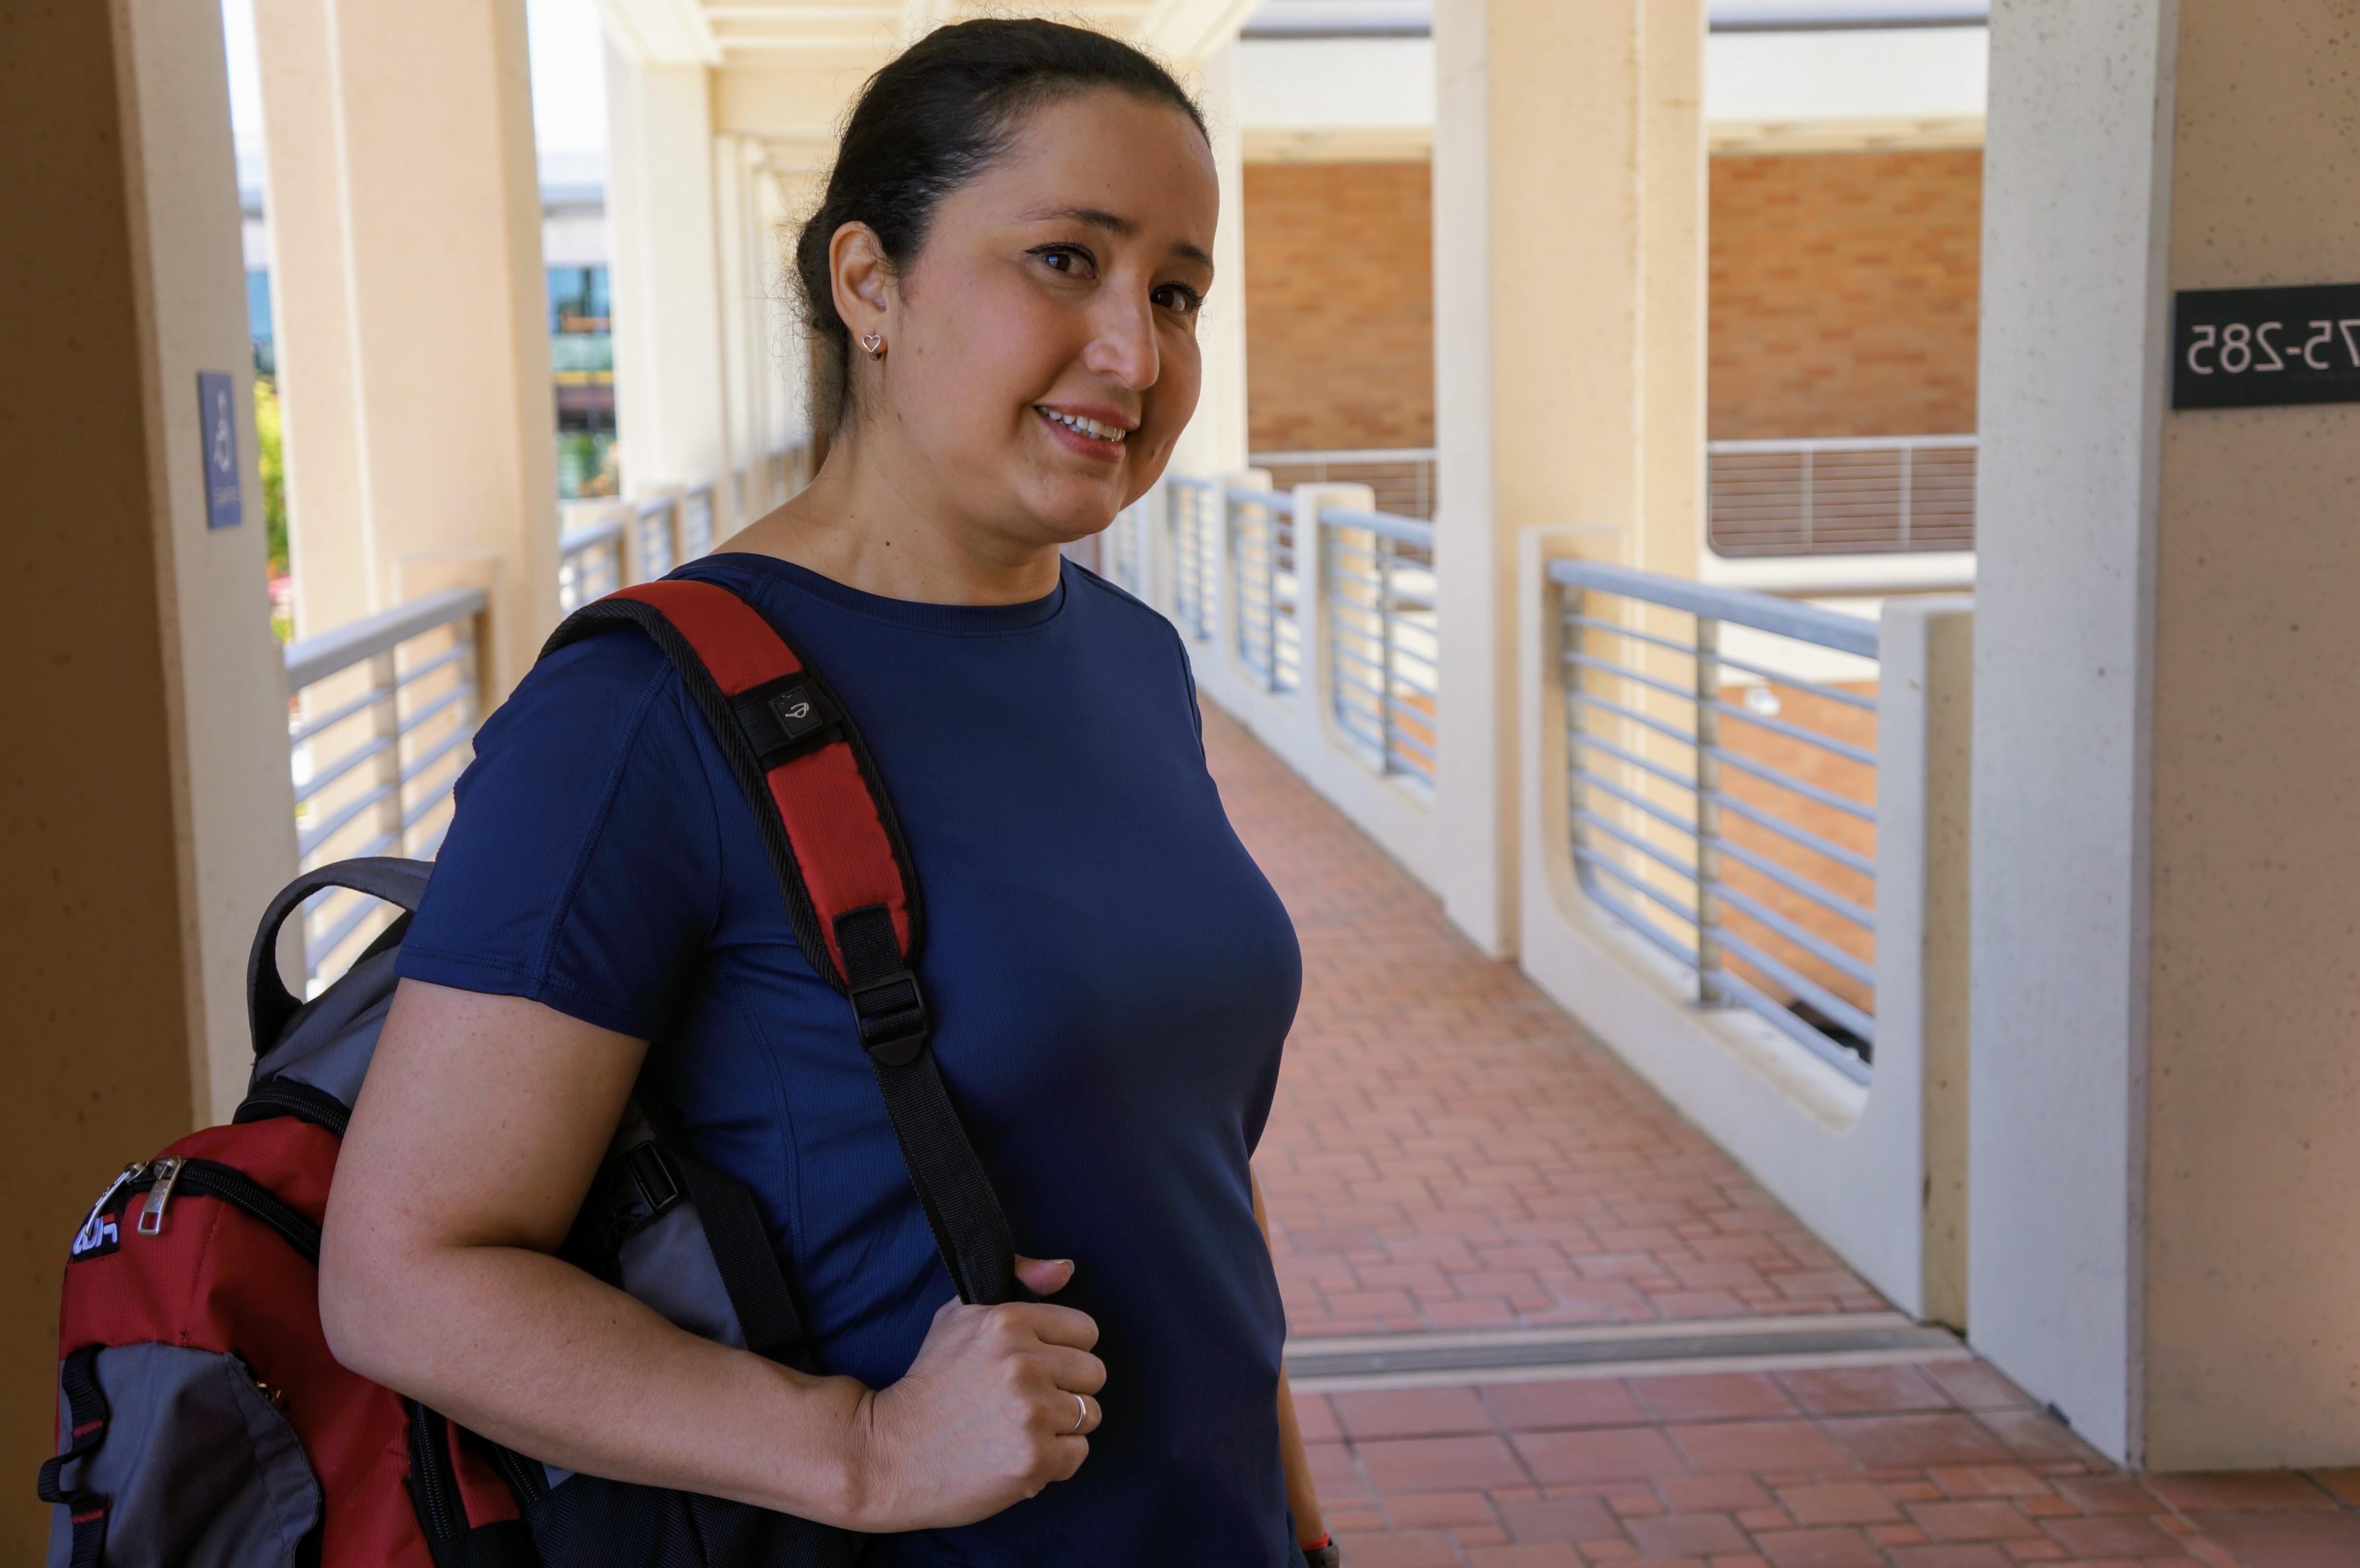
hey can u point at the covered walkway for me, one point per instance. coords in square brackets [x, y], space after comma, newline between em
[1450, 1154]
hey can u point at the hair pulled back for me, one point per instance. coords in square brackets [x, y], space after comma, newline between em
[933, 119]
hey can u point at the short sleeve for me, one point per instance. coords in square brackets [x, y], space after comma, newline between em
[582, 870]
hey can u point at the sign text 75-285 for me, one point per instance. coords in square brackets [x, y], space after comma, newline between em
[2247, 348]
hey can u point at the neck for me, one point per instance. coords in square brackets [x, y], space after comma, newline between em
[878, 522]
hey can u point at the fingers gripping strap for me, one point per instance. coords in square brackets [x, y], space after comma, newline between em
[961, 1209]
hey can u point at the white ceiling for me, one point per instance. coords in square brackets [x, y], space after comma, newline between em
[787, 32]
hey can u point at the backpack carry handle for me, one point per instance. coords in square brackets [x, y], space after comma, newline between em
[268, 1003]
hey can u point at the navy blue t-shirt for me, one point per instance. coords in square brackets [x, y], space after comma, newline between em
[1112, 979]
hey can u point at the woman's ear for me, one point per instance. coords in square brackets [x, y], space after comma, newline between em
[860, 278]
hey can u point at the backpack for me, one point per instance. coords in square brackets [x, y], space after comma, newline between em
[203, 1422]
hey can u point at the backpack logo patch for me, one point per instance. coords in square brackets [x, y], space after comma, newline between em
[797, 712]
[100, 1234]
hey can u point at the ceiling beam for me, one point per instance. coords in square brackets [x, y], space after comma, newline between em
[661, 32]
[1191, 30]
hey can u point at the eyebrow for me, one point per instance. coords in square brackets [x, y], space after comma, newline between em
[1117, 224]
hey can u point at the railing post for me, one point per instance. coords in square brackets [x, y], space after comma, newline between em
[1810, 478]
[385, 678]
[1905, 453]
[1708, 811]
[1386, 610]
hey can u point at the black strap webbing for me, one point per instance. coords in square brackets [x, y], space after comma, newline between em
[86, 1409]
[750, 1265]
[961, 1209]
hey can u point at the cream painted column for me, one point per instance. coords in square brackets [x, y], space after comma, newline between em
[2162, 1240]
[1215, 440]
[413, 311]
[1568, 282]
[146, 813]
[671, 411]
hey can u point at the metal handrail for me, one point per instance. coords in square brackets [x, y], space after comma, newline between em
[1841, 495]
[1739, 606]
[1384, 648]
[314, 659]
[1684, 783]
[377, 755]
[1261, 529]
[1401, 477]
[1191, 517]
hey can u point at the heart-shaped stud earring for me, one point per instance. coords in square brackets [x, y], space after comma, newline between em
[875, 344]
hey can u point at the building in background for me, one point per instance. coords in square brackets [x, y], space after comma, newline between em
[580, 330]
[1844, 214]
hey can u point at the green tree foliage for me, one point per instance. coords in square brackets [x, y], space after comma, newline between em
[273, 452]
[274, 470]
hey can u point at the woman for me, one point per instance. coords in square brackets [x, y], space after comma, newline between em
[1018, 237]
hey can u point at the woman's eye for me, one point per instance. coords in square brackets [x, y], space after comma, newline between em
[1180, 298]
[1067, 259]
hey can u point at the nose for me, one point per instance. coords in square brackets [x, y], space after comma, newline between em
[1122, 348]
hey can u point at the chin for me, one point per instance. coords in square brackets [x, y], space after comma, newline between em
[1075, 512]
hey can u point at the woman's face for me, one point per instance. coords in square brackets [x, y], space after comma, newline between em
[1042, 351]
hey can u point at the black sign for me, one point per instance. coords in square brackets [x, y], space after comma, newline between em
[2248, 348]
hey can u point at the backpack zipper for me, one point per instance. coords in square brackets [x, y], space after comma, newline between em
[167, 1172]
[211, 1179]
[434, 1479]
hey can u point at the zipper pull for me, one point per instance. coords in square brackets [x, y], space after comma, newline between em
[152, 1218]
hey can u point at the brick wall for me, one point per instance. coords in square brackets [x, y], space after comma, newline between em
[1340, 315]
[1843, 298]
[1843, 295]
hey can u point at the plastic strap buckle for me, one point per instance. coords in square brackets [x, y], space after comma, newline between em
[652, 1173]
[891, 1012]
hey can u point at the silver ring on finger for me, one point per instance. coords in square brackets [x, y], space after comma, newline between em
[1081, 1415]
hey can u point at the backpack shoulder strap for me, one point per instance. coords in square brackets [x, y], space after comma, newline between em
[851, 891]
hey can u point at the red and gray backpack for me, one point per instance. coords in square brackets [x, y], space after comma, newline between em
[203, 1422]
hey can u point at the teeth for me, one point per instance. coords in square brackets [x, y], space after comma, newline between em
[1090, 427]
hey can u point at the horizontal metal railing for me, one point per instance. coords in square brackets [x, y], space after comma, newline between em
[590, 562]
[1383, 651]
[1401, 478]
[693, 521]
[1269, 637]
[1721, 791]
[1191, 514]
[381, 721]
[1867, 495]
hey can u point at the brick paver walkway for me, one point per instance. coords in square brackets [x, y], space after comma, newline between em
[1449, 1152]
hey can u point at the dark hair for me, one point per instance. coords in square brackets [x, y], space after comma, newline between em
[934, 118]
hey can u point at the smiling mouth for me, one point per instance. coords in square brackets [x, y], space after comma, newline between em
[1082, 427]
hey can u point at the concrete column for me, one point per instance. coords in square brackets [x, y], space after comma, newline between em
[412, 310]
[1568, 284]
[672, 408]
[1215, 440]
[146, 813]
[2161, 1235]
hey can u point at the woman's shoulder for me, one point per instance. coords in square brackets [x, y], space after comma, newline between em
[1121, 610]
[597, 691]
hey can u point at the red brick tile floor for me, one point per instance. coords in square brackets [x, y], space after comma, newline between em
[1450, 1151]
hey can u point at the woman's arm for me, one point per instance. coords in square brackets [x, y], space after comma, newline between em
[482, 1122]
[1302, 1497]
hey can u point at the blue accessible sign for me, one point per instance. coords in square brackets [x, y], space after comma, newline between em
[217, 405]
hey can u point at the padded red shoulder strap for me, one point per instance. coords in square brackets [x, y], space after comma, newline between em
[851, 892]
[838, 825]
